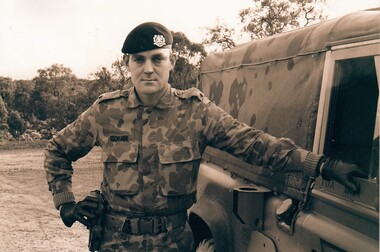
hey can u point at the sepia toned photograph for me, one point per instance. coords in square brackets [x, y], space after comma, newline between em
[201, 126]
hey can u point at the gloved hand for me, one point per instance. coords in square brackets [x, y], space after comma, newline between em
[342, 172]
[83, 211]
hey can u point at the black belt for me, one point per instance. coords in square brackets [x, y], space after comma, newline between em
[144, 225]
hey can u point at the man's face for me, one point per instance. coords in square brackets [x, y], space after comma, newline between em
[150, 70]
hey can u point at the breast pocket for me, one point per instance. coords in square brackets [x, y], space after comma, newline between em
[178, 167]
[120, 168]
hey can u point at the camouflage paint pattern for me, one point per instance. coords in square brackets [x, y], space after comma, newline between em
[273, 84]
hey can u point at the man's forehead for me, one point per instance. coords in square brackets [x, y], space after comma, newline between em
[155, 52]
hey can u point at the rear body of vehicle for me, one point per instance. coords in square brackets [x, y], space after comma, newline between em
[319, 86]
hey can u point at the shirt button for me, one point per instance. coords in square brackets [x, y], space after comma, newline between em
[149, 110]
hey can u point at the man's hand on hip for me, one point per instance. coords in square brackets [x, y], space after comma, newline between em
[83, 211]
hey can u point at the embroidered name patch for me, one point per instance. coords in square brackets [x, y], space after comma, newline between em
[119, 138]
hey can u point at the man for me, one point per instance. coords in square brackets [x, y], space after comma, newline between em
[152, 137]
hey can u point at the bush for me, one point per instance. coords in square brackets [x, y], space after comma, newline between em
[16, 124]
[6, 136]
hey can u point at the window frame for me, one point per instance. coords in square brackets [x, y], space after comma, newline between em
[369, 188]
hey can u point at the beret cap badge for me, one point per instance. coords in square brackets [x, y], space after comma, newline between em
[159, 40]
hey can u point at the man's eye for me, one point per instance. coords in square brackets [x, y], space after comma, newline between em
[157, 59]
[138, 60]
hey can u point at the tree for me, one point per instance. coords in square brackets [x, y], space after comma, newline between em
[120, 73]
[55, 79]
[189, 57]
[6, 89]
[266, 18]
[3, 115]
[17, 125]
[79, 100]
[220, 37]
[102, 82]
[22, 95]
[52, 95]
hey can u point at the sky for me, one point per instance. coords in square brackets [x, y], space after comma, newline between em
[87, 34]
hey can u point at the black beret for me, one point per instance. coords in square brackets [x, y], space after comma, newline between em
[147, 36]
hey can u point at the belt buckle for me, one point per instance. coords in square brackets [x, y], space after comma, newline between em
[140, 226]
[146, 226]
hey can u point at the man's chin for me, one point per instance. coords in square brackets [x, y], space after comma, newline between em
[152, 90]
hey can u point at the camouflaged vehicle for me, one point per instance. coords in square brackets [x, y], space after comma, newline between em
[319, 86]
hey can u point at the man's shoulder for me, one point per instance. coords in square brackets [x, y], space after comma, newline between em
[113, 95]
[189, 94]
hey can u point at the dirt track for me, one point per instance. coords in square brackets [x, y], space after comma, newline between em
[29, 221]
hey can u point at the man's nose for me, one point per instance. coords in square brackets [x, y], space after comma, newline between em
[148, 68]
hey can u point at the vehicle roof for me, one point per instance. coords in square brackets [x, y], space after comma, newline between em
[274, 83]
[309, 39]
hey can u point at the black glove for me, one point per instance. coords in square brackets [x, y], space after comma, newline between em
[342, 172]
[83, 211]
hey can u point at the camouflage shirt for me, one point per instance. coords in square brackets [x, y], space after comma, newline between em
[151, 155]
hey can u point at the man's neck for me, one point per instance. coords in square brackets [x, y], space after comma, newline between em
[151, 100]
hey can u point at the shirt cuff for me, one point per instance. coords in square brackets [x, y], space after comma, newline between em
[62, 198]
[312, 163]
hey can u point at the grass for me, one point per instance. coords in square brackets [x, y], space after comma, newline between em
[16, 145]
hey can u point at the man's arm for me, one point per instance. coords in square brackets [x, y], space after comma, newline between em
[68, 145]
[277, 154]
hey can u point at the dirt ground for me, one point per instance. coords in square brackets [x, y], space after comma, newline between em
[29, 220]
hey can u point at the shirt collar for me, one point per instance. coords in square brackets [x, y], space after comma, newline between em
[165, 102]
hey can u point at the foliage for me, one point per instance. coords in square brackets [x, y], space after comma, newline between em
[6, 89]
[121, 73]
[22, 96]
[189, 58]
[37, 108]
[266, 18]
[101, 83]
[17, 125]
[3, 116]
[53, 86]
[220, 37]
[54, 98]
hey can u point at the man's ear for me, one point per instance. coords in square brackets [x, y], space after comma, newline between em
[173, 60]
[126, 59]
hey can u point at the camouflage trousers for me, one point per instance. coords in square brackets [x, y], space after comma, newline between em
[178, 239]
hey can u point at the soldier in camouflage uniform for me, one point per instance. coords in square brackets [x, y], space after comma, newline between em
[152, 138]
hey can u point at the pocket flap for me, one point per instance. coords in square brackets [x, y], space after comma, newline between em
[179, 152]
[121, 153]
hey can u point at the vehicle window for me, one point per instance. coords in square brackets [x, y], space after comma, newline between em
[353, 125]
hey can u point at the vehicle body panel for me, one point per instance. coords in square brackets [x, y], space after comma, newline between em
[296, 85]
